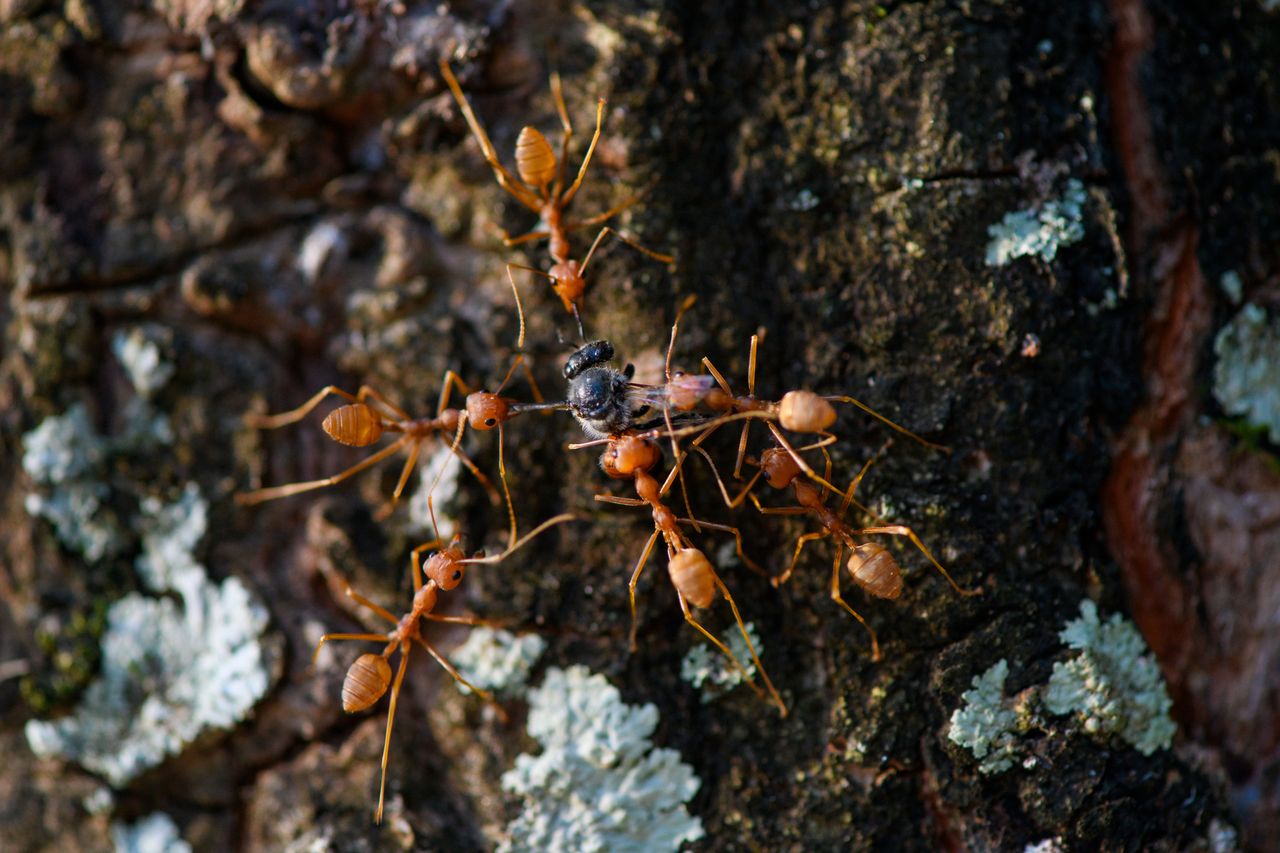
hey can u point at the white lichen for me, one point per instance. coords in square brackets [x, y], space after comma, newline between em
[598, 785]
[69, 461]
[65, 457]
[170, 671]
[1040, 230]
[1049, 845]
[1232, 286]
[437, 478]
[1223, 837]
[1246, 379]
[1112, 686]
[498, 660]
[987, 725]
[138, 351]
[708, 670]
[155, 833]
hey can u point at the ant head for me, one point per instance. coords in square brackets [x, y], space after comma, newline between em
[628, 454]
[780, 469]
[485, 410]
[588, 355]
[445, 568]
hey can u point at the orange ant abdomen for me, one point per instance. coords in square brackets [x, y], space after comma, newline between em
[805, 411]
[692, 576]
[355, 425]
[875, 570]
[366, 681]
[535, 161]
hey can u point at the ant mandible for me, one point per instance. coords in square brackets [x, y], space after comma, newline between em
[369, 676]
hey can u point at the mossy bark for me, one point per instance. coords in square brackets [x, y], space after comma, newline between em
[293, 193]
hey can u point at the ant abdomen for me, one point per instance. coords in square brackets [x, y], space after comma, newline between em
[692, 576]
[875, 570]
[355, 425]
[366, 681]
[535, 161]
[805, 411]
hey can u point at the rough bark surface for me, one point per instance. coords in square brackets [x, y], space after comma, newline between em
[289, 196]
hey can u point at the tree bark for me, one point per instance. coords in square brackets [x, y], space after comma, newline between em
[287, 197]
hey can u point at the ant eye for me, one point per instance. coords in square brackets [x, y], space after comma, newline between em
[490, 421]
[457, 575]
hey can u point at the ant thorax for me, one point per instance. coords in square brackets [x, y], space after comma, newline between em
[598, 394]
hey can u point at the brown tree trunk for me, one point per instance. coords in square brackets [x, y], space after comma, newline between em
[278, 197]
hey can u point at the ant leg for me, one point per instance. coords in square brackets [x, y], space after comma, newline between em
[258, 421]
[368, 392]
[415, 564]
[381, 611]
[839, 599]
[903, 530]
[586, 160]
[853, 486]
[746, 426]
[274, 492]
[733, 605]
[732, 503]
[485, 482]
[618, 501]
[725, 650]
[870, 411]
[451, 380]
[506, 180]
[506, 491]
[778, 510]
[508, 240]
[522, 541]
[719, 377]
[467, 620]
[391, 718]
[804, 539]
[516, 293]
[613, 211]
[404, 478]
[457, 676]
[373, 638]
[737, 543]
[557, 95]
[635, 579]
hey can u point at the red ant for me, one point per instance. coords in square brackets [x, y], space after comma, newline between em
[797, 411]
[870, 564]
[541, 188]
[369, 415]
[369, 676]
[631, 457]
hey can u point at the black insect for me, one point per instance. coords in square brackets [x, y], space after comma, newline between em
[599, 396]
